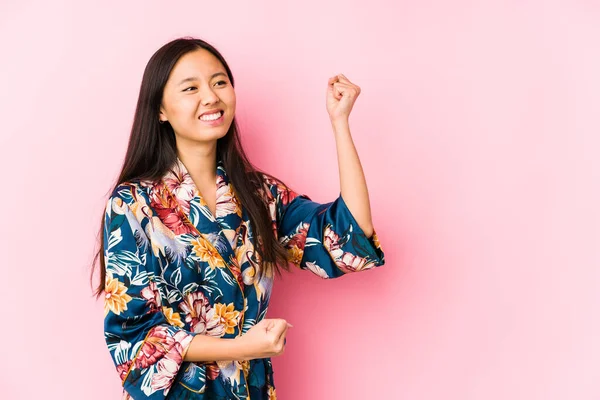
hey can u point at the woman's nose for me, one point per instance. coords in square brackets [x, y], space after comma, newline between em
[209, 97]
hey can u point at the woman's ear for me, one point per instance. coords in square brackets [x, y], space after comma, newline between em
[161, 115]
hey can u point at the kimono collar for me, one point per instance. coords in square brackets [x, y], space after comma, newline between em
[179, 171]
[181, 196]
[181, 186]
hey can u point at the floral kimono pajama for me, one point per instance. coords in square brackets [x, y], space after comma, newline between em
[174, 270]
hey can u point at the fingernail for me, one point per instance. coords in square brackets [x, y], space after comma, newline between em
[290, 325]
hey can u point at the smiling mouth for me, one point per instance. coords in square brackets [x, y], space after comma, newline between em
[214, 116]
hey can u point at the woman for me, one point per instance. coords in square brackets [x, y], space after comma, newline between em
[193, 234]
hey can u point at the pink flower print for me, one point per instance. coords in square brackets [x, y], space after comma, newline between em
[166, 208]
[166, 369]
[212, 371]
[152, 296]
[168, 366]
[154, 348]
[299, 238]
[331, 242]
[227, 202]
[200, 315]
[352, 263]
[123, 369]
[286, 195]
[180, 183]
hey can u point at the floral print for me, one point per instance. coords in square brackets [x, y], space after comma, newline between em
[227, 316]
[115, 297]
[200, 315]
[209, 254]
[173, 318]
[174, 270]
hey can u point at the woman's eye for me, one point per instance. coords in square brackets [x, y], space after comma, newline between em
[222, 82]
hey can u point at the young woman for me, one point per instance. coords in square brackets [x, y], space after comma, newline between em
[193, 234]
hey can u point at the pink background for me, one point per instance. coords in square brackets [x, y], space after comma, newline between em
[477, 127]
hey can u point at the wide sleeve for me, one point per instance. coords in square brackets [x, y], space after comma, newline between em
[146, 348]
[323, 238]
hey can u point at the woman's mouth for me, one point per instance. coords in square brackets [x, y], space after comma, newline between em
[213, 119]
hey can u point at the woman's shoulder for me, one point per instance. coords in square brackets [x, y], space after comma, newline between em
[278, 190]
[266, 182]
[130, 191]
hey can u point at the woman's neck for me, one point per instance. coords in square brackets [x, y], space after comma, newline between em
[200, 161]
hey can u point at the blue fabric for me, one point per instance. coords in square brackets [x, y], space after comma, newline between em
[174, 270]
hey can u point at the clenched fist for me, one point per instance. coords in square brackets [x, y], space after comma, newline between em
[340, 97]
[265, 339]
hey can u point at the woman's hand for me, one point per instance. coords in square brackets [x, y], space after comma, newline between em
[341, 95]
[265, 339]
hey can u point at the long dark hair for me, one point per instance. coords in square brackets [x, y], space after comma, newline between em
[152, 151]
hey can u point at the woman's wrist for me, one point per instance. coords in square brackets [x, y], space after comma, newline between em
[240, 348]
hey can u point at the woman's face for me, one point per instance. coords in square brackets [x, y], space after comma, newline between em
[197, 85]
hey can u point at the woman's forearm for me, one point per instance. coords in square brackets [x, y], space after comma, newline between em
[263, 340]
[353, 186]
[209, 348]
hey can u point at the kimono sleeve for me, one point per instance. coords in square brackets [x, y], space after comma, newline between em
[323, 238]
[146, 348]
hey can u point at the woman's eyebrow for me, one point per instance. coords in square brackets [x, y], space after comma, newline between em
[195, 78]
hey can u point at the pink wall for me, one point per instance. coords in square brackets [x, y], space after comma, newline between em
[477, 127]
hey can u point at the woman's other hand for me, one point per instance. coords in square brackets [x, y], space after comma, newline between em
[265, 339]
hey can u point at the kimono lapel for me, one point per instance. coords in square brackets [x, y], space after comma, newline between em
[219, 230]
[179, 182]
